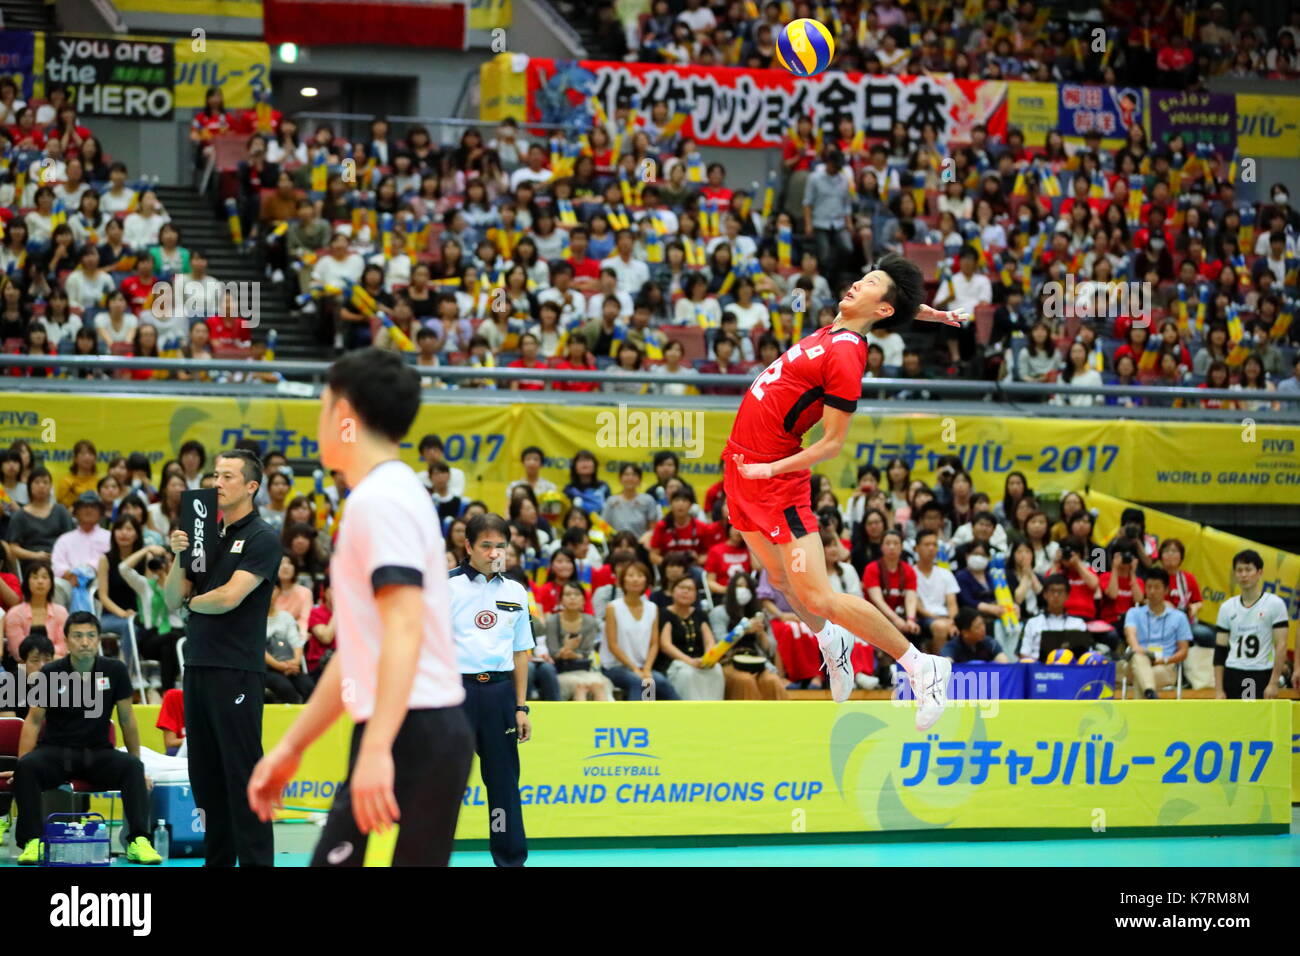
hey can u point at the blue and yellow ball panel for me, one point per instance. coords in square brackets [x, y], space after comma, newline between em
[805, 47]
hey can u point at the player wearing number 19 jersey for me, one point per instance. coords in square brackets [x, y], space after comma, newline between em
[1250, 644]
[767, 475]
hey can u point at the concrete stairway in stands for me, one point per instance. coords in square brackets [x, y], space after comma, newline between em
[27, 15]
[193, 215]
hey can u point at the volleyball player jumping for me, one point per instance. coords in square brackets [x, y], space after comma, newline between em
[767, 477]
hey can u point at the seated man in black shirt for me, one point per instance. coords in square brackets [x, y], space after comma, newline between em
[972, 642]
[69, 737]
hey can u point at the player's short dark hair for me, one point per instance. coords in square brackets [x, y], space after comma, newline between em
[1158, 573]
[250, 464]
[481, 524]
[906, 288]
[381, 386]
[38, 643]
[966, 618]
[80, 617]
[1249, 556]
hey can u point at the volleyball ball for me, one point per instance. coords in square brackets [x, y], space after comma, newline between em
[805, 47]
[1091, 659]
[1062, 655]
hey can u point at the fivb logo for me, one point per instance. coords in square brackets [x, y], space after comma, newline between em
[195, 299]
[654, 429]
[76, 910]
[1097, 300]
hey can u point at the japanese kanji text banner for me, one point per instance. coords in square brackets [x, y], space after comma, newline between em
[755, 108]
[1146, 461]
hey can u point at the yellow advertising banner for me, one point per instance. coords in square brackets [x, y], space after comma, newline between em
[489, 14]
[195, 8]
[644, 768]
[503, 89]
[1209, 554]
[1268, 126]
[1033, 108]
[236, 67]
[1147, 461]
[324, 764]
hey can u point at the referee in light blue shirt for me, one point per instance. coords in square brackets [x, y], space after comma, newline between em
[494, 639]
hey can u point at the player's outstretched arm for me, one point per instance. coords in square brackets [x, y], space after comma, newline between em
[835, 429]
[955, 317]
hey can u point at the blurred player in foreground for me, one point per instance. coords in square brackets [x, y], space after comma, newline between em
[395, 670]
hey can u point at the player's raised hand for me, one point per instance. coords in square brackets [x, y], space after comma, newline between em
[956, 318]
[753, 471]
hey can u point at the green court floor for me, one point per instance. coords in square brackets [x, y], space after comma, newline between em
[1283, 850]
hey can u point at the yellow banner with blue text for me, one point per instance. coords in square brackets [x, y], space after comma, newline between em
[489, 14]
[646, 769]
[1268, 126]
[1189, 462]
[1209, 554]
[237, 68]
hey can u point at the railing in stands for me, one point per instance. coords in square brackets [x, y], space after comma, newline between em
[957, 389]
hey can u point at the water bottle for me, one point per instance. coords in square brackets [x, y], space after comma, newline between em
[162, 840]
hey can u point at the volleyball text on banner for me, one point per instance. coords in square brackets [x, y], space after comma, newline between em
[236, 67]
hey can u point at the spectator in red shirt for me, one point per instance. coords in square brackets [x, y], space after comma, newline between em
[679, 532]
[1072, 561]
[1184, 592]
[139, 286]
[1121, 588]
[320, 633]
[799, 152]
[1174, 63]
[576, 359]
[586, 271]
[24, 135]
[208, 122]
[229, 328]
[68, 132]
[716, 190]
[563, 569]
[529, 346]
[890, 584]
[171, 720]
[725, 559]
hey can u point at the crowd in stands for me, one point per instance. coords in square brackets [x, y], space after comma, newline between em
[1167, 45]
[623, 250]
[90, 262]
[629, 584]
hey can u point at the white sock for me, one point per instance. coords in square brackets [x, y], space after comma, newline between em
[911, 659]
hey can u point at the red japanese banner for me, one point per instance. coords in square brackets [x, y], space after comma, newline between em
[427, 23]
[754, 108]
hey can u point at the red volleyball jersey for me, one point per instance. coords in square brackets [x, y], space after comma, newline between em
[824, 368]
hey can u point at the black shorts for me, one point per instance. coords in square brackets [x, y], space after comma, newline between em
[1245, 685]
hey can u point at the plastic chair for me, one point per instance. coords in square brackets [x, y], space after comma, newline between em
[691, 338]
[927, 257]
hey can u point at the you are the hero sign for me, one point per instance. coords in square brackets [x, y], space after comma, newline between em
[113, 77]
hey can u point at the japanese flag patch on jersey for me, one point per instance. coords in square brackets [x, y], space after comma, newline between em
[237, 547]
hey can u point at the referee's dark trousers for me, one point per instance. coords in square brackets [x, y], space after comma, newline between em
[490, 707]
[223, 725]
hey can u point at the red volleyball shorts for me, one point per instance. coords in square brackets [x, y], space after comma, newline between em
[778, 508]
